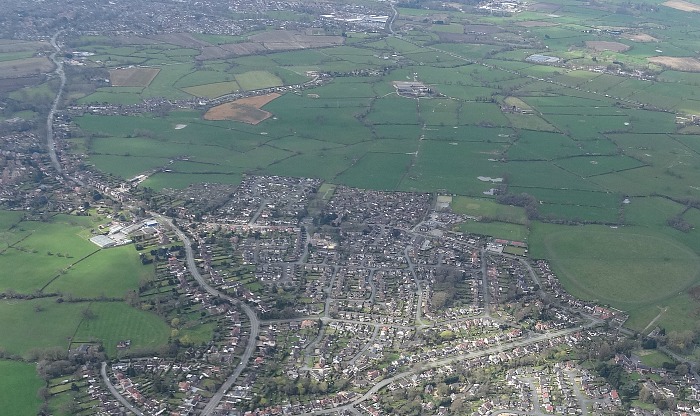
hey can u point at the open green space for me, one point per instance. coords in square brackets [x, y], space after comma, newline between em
[506, 231]
[56, 257]
[55, 324]
[376, 171]
[256, 80]
[654, 358]
[111, 272]
[52, 324]
[117, 321]
[631, 268]
[586, 140]
[19, 385]
[216, 89]
[479, 207]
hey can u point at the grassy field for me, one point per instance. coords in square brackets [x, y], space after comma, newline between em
[654, 358]
[52, 324]
[56, 256]
[588, 141]
[479, 207]
[116, 321]
[58, 324]
[506, 231]
[631, 268]
[256, 80]
[19, 385]
[110, 273]
[216, 89]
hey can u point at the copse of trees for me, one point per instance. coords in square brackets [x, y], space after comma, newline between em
[523, 200]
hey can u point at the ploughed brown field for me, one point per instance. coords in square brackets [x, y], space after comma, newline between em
[245, 110]
[682, 5]
[679, 64]
[599, 46]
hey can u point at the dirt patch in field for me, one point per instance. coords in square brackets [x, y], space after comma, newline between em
[679, 64]
[682, 5]
[243, 48]
[246, 110]
[537, 23]
[481, 29]
[640, 37]
[132, 77]
[600, 45]
[12, 84]
[544, 7]
[287, 40]
[184, 40]
[22, 46]
[461, 38]
[276, 40]
[25, 67]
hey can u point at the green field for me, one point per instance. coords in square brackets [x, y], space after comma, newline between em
[58, 324]
[654, 358]
[256, 80]
[213, 90]
[630, 268]
[110, 272]
[116, 321]
[506, 231]
[52, 324]
[479, 207]
[19, 385]
[586, 141]
[56, 256]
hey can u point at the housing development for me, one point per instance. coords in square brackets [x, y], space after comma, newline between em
[349, 208]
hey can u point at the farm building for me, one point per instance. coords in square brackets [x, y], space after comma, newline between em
[103, 241]
[412, 89]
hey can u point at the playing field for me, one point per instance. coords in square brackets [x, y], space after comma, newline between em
[506, 231]
[58, 324]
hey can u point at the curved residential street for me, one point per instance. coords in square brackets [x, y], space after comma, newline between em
[254, 321]
[115, 393]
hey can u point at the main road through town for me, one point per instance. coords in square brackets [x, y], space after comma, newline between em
[252, 317]
[56, 101]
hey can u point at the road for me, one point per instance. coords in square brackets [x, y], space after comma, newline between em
[50, 143]
[390, 23]
[485, 285]
[252, 317]
[115, 393]
[419, 289]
